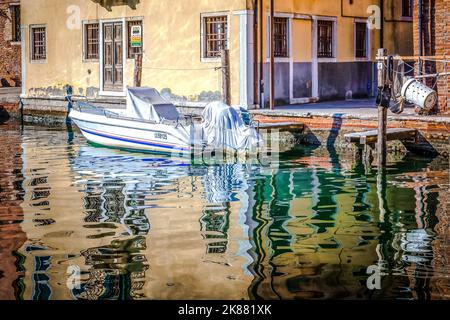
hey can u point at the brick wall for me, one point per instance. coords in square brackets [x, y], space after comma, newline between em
[436, 40]
[10, 72]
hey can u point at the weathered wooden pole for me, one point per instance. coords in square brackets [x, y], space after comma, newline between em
[272, 57]
[226, 79]
[382, 131]
[137, 70]
[383, 104]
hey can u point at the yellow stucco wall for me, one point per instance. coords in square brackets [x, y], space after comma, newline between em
[398, 36]
[171, 40]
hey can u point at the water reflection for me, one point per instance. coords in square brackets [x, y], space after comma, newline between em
[149, 227]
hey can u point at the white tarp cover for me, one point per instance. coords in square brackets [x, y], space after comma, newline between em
[224, 128]
[147, 104]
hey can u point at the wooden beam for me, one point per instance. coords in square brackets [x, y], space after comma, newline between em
[371, 137]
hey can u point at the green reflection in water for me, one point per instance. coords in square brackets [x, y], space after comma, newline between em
[307, 230]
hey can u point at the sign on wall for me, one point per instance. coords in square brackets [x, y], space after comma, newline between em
[136, 36]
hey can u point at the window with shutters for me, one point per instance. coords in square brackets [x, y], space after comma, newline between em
[15, 21]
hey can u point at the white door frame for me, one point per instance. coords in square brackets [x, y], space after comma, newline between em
[124, 60]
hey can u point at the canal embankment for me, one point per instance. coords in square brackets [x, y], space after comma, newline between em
[327, 123]
[323, 124]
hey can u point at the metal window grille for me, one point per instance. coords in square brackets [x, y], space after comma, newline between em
[91, 41]
[281, 37]
[132, 51]
[38, 43]
[215, 36]
[407, 8]
[361, 40]
[15, 20]
[325, 39]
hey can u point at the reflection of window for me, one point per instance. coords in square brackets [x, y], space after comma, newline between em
[41, 286]
[325, 39]
[361, 40]
[132, 51]
[215, 36]
[91, 42]
[407, 8]
[38, 44]
[281, 37]
[15, 20]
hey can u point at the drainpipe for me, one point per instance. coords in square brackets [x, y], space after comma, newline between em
[261, 53]
[382, 24]
[272, 57]
[420, 34]
[255, 53]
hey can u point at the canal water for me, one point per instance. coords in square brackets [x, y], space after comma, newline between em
[84, 222]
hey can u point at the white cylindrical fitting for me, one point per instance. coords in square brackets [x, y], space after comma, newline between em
[419, 94]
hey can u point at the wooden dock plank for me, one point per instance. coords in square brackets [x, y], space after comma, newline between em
[370, 137]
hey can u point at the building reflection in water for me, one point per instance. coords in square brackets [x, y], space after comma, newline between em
[148, 227]
[12, 236]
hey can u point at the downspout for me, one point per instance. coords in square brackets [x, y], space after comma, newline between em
[255, 54]
[382, 24]
[272, 57]
[261, 53]
[420, 27]
[420, 39]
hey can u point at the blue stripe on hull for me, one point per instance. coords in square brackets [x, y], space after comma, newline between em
[132, 141]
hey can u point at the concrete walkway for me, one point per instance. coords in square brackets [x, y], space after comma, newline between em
[364, 109]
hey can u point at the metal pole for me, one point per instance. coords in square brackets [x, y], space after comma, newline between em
[272, 57]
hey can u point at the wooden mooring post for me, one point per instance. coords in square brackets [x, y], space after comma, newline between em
[383, 101]
[226, 78]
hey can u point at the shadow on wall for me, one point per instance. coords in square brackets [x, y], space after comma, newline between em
[108, 4]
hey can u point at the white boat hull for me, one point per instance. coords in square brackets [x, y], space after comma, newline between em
[133, 135]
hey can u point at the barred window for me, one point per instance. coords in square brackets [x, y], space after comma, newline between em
[132, 51]
[15, 21]
[91, 41]
[361, 40]
[215, 36]
[38, 43]
[325, 39]
[407, 8]
[281, 37]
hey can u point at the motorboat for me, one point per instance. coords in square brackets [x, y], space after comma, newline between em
[151, 123]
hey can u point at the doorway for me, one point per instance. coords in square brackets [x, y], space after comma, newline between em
[113, 56]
